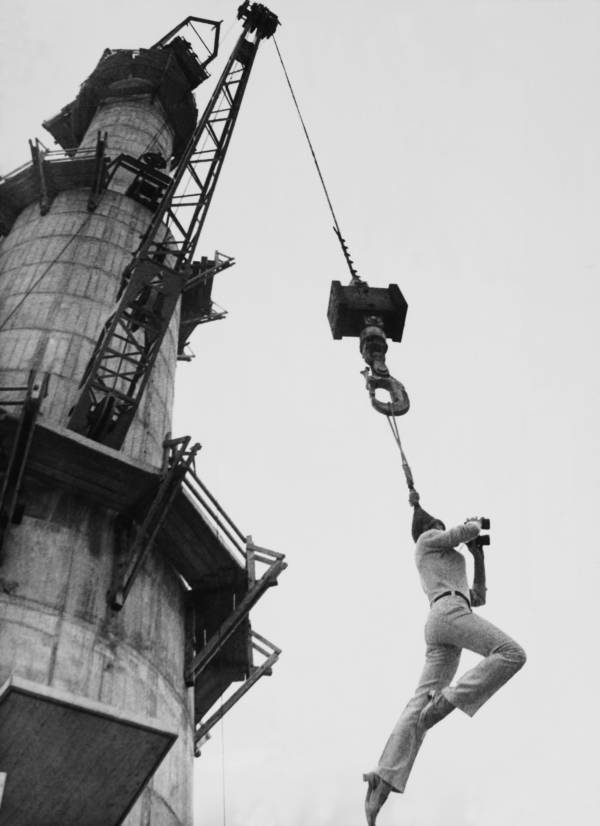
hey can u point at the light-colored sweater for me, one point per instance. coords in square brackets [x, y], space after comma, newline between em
[440, 566]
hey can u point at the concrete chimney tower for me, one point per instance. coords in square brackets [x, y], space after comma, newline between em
[103, 699]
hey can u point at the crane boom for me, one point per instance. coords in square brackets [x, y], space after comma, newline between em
[153, 281]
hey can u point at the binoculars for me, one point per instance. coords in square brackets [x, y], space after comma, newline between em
[480, 541]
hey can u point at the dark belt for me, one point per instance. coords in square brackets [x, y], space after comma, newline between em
[453, 594]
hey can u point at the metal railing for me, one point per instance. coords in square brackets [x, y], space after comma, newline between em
[54, 155]
[215, 516]
[36, 387]
[271, 654]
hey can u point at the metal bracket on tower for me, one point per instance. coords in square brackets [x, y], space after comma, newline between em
[36, 389]
[99, 182]
[271, 654]
[256, 588]
[197, 306]
[39, 164]
[148, 182]
[219, 640]
[126, 569]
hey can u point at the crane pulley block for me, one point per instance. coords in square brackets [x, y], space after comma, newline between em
[371, 314]
[350, 306]
[258, 18]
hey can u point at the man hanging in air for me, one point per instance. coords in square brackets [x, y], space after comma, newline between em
[451, 626]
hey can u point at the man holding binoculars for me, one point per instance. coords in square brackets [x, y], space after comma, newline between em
[451, 626]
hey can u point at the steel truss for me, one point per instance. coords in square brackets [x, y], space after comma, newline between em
[121, 364]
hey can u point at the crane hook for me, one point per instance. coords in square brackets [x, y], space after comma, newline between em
[399, 402]
[373, 347]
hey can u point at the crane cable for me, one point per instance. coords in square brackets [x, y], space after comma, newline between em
[223, 786]
[336, 226]
[413, 495]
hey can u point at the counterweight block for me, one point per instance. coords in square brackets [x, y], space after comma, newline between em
[349, 306]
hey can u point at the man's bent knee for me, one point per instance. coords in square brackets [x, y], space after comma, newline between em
[514, 654]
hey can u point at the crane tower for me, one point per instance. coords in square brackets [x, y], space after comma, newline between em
[125, 587]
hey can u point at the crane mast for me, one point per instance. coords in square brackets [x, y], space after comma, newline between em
[163, 264]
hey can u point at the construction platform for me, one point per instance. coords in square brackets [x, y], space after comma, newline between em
[178, 518]
[69, 761]
[46, 176]
[110, 479]
[169, 73]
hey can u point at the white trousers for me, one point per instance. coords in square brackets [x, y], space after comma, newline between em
[451, 626]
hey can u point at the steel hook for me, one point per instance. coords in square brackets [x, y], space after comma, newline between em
[399, 401]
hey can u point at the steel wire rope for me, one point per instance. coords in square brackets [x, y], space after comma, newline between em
[225, 39]
[199, 36]
[336, 225]
[222, 728]
[310, 145]
[391, 419]
[223, 788]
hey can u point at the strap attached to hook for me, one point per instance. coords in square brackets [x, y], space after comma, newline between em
[413, 494]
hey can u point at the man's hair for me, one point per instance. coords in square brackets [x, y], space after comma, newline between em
[422, 521]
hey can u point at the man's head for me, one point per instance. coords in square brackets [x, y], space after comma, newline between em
[423, 521]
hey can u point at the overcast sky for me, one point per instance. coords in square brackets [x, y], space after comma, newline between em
[461, 144]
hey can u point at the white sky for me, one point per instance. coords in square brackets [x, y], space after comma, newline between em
[461, 144]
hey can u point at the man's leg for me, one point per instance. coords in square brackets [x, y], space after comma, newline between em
[377, 793]
[503, 657]
[436, 709]
[402, 747]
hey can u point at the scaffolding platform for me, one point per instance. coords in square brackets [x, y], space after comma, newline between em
[110, 479]
[47, 175]
[71, 761]
[180, 519]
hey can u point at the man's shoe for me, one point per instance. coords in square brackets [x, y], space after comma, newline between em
[377, 793]
[436, 709]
